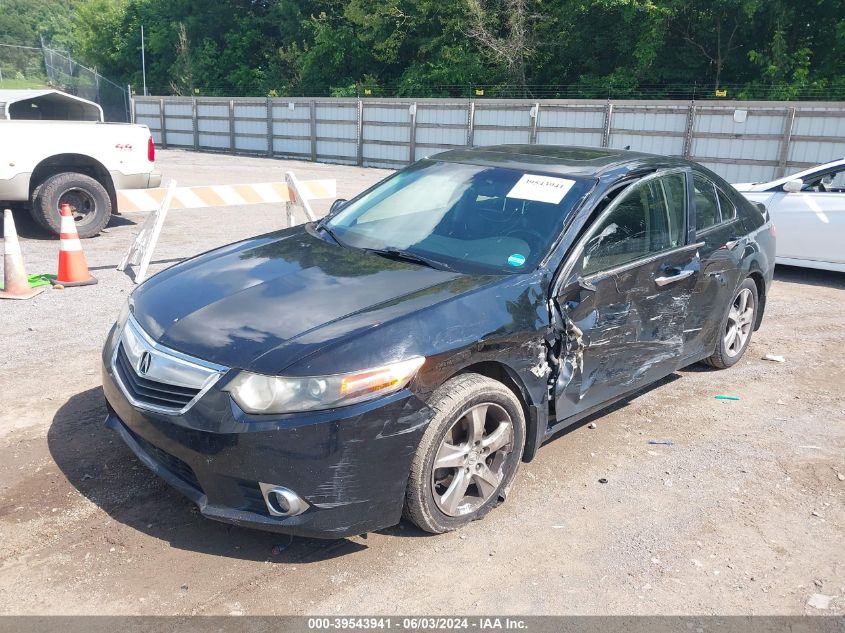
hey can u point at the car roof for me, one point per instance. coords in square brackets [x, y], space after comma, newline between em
[809, 171]
[766, 185]
[561, 159]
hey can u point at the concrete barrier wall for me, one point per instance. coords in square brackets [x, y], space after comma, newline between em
[742, 141]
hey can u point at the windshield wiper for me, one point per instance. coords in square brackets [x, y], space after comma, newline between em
[321, 226]
[397, 254]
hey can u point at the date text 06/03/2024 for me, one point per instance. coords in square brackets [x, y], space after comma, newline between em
[417, 623]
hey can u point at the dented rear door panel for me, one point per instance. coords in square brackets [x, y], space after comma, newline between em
[721, 249]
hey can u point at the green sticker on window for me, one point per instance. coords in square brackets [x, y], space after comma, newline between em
[516, 259]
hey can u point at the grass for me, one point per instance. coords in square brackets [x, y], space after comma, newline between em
[20, 84]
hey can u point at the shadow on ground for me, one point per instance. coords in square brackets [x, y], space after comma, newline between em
[27, 228]
[809, 276]
[98, 464]
[619, 404]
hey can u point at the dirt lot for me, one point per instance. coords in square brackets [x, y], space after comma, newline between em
[742, 514]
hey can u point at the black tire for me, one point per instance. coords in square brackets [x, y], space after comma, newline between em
[450, 402]
[35, 215]
[723, 357]
[89, 201]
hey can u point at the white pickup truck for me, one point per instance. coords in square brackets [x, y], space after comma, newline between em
[83, 163]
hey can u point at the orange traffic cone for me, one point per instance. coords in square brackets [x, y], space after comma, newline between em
[15, 285]
[73, 269]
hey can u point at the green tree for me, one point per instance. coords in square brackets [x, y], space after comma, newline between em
[596, 48]
[506, 32]
[716, 29]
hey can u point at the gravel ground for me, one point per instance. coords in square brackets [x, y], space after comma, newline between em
[742, 514]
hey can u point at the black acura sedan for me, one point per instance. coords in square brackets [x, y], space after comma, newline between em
[404, 354]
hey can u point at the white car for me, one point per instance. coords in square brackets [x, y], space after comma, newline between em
[808, 209]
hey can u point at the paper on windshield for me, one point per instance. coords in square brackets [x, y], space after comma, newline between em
[541, 188]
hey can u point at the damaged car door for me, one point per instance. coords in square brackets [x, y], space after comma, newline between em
[621, 300]
[723, 239]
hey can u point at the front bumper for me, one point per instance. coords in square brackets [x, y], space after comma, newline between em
[350, 465]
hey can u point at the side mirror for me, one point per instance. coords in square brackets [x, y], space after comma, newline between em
[337, 205]
[793, 186]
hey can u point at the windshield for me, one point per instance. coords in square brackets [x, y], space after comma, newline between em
[469, 218]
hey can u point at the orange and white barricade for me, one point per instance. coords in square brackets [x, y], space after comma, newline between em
[292, 192]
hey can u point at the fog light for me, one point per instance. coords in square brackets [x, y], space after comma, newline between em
[281, 501]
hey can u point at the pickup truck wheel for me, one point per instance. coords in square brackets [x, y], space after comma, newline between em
[468, 456]
[88, 199]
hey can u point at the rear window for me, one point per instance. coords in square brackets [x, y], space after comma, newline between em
[706, 206]
[726, 207]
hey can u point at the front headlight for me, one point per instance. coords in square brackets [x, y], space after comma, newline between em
[257, 393]
[123, 316]
[115, 331]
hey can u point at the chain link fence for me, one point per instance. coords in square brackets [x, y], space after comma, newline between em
[76, 79]
[31, 67]
[608, 90]
[21, 67]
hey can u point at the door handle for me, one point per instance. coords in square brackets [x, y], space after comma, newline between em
[718, 276]
[586, 285]
[663, 281]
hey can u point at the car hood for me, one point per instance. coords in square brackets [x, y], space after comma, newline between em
[759, 196]
[247, 304]
[758, 186]
[743, 186]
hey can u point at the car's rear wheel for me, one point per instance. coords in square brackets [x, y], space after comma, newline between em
[737, 326]
[468, 456]
[88, 200]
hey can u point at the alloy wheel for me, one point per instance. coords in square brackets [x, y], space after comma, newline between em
[740, 322]
[469, 465]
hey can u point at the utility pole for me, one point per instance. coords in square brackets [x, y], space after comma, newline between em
[143, 61]
[47, 67]
[129, 109]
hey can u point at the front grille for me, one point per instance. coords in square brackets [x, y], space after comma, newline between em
[157, 378]
[175, 465]
[151, 392]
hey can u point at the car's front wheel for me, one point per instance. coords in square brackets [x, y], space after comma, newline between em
[469, 453]
[737, 326]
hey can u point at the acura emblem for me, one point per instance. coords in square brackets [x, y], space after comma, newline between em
[144, 363]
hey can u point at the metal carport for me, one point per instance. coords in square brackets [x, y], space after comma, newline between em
[47, 105]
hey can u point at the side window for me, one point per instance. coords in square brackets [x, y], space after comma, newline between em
[836, 182]
[829, 182]
[648, 218]
[706, 207]
[727, 207]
